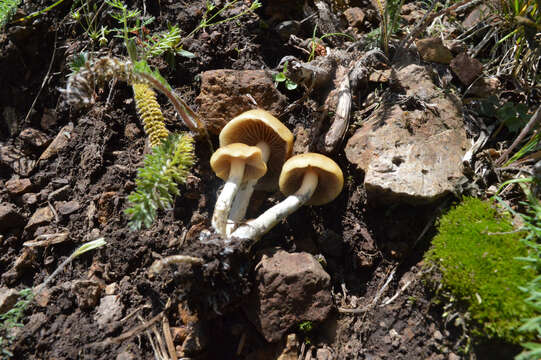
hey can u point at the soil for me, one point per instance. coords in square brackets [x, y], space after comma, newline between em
[99, 166]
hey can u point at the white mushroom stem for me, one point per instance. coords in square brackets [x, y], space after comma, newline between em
[225, 199]
[242, 200]
[256, 228]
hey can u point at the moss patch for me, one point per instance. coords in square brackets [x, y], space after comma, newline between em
[479, 268]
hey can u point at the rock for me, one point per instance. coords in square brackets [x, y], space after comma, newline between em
[88, 293]
[9, 217]
[18, 186]
[355, 17]
[380, 76]
[34, 137]
[485, 87]
[477, 15]
[224, 95]
[22, 263]
[42, 216]
[30, 198]
[112, 289]
[437, 335]
[324, 354]
[16, 159]
[8, 298]
[110, 309]
[67, 207]
[453, 356]
[411, 13]
[60, 142]
[466, 68]
[291, 349]
[433, 50]
[414, 155]
[290, 288]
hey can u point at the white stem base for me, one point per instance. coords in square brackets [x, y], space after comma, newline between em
[256, 228]
[225, 199]
[240, 205]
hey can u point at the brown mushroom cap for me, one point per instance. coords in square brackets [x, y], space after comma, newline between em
[257, 125]
[330, 177]
[221, 160]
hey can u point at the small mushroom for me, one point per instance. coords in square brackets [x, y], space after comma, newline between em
[235, 163]
[308, 179]
[258, 128]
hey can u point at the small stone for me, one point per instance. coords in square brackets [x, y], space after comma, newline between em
[42, 216]
[18, 186]
[324, 354]
[67, 207]
[16, 159]
[60, 142]
[34, 137]
[224, 95]
[380, 76]
[485, 87]
[437, 335]
[59, 194]
[466, 68]
[8, 298]
[355, 17]
[453, 356]
[111, 289]
[110, 309]
[433, 50]
[9, 217]
[88, 293]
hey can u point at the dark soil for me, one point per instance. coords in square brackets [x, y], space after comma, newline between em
[98, 166]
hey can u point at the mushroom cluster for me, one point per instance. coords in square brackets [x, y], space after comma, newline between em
[255, 152]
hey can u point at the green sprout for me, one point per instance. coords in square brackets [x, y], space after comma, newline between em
[282, 77]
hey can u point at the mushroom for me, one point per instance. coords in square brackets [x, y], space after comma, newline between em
[234, 163]
[308, 179]
[258, 128]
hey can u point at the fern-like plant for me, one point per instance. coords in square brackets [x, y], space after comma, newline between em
[7, 9]
[165, 168]
[150, 113]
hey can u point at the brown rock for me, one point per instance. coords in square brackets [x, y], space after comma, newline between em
[355, 17]
[60, 142]
[380, 76]
[414, 155]
[16, 159]
[9, 217]
[8, 298]
[67, 207]
[224, 95]
[433, 50]
[477, 15]
[466, 68]
[411, 13]
[110, 309]
[485, 87]
[18, 186]
[42, 216]
[30, 198]
[34, 137]
[88, 293]
[290, 288]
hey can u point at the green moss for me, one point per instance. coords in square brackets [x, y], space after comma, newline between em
[479, 268]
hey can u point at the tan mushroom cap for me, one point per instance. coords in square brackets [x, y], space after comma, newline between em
[221, 160]
[330, 177]
[257, 125]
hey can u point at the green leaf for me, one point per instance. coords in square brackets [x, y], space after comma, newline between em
[514, 116]
[280, 77]
[185, 53]
[290, 85]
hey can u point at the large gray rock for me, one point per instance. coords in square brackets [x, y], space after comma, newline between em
[290, 288]
[413, 155]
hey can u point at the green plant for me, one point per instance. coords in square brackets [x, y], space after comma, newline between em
[13, 317]
[281, 77]
[476, 253]
[166, 167]
[7, 9]
[389, 11]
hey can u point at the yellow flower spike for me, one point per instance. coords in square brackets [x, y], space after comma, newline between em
[150, 113]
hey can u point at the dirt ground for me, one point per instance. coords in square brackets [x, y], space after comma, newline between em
[377, 267]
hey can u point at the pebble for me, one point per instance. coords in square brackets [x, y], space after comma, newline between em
[42, 216]
[18, 186]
